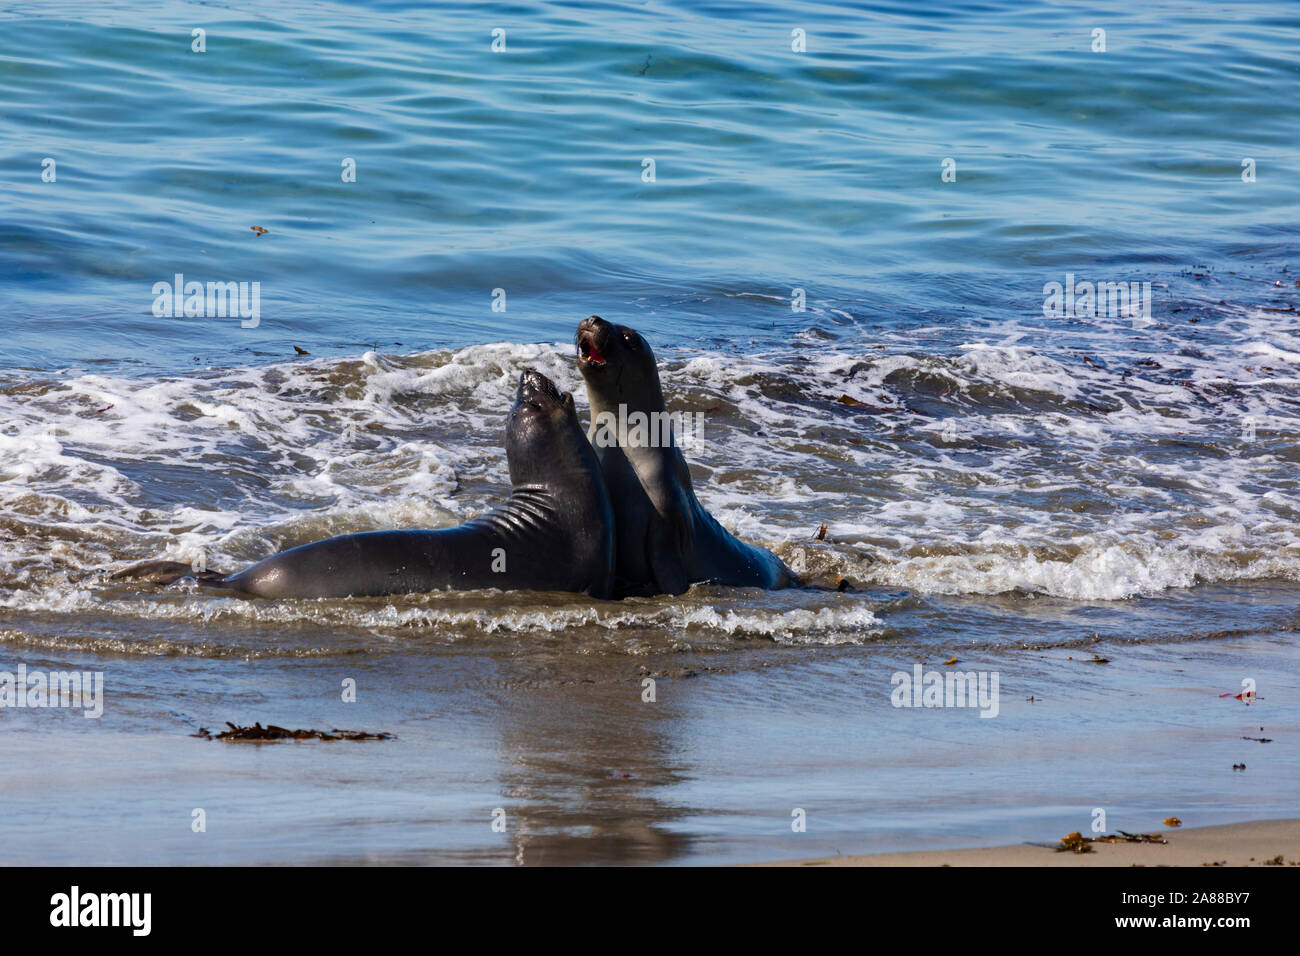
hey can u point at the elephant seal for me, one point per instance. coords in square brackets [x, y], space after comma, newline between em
[664, 539]
[554, 533]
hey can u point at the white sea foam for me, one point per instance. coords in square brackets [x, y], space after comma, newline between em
[986, 465]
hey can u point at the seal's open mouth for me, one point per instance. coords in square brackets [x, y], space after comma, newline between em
[588, 352]
[592, 334]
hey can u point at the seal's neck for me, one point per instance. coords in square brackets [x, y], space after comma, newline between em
[640, 426]
[645, 436]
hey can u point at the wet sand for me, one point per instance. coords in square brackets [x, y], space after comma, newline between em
[1258, 843]
[586, 771]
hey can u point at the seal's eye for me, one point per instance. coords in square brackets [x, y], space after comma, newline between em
[631, 338]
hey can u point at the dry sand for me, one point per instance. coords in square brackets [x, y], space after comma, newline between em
[1236, 844]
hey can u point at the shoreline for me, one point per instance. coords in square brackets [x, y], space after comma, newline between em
[1256, 843]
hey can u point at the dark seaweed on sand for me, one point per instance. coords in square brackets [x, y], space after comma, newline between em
[272, 732]
[1078, 843]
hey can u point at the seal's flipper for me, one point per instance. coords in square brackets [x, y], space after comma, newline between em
[166, 572]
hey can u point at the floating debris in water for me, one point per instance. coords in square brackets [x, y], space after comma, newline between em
[272, 732]
[1246, 697]
[852, 402]
[1172, 822]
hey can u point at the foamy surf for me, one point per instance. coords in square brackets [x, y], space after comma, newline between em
[976, 464]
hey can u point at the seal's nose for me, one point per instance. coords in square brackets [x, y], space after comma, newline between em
[533, 383]
[529, 380]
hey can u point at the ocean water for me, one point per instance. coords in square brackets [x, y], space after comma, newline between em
[843, 256]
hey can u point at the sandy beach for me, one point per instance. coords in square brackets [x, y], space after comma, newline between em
[1259, 843]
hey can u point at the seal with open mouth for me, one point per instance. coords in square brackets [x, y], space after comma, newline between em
[664, 539]
[554, 533]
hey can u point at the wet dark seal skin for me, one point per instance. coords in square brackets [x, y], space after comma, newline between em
[556, 530]
[665, 540]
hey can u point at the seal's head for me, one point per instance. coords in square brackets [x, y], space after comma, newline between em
[543, 437]
[618, 366]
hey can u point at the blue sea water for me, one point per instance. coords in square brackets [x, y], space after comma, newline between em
[842, 259]
[522, 170]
